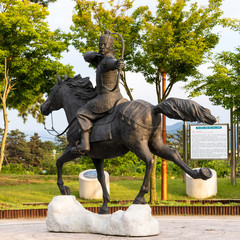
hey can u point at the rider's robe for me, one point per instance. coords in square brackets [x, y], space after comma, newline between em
[108, 93]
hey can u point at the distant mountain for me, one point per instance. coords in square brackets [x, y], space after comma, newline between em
[173, 128]
[45, 136]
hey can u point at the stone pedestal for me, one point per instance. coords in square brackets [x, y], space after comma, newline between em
[89, 187]
[201, 189]
[66, 214]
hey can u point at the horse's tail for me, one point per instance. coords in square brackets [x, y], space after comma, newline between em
[186, 110]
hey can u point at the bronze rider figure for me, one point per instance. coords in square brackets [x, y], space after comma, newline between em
[107, 88]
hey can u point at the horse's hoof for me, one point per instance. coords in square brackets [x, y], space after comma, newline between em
[65, 190]
[139, 201]
[205, 173]
[103, 210]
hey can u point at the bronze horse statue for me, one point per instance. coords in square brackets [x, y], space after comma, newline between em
[131, 126]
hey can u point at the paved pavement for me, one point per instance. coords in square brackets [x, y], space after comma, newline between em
[171, 227]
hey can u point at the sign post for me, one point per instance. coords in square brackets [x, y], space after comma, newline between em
[233, 147]
[185, 146]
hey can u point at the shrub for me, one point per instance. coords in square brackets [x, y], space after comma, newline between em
[220, 166]
[127, 165]
[15, 168]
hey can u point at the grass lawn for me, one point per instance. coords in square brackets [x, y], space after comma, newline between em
[16, 190]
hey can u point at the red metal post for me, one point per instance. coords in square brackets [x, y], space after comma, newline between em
[164, 136]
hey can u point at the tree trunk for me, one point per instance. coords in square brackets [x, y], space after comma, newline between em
[153, 188]
[3, 96]
[4, 138]
[124, 83]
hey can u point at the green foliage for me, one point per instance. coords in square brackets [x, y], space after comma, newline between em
[17, 150]
[33, 156]
[177, 39]
[28, 154]
[174, 171]
[61, 143]
[220, 166]
[96, 17]
[222, 86]
[14, 168]
[175, 141]
[127, 165]
[32, 51]
[43, 2]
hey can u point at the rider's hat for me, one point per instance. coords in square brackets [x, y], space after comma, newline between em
[107, 38]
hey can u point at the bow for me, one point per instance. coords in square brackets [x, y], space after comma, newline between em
[122, 56]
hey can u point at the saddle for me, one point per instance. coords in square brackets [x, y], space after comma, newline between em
[102, 128]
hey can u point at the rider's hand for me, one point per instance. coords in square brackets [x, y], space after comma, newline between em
[120, 64]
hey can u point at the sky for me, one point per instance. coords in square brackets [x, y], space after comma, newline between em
[61, 17]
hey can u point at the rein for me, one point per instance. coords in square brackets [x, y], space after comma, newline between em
[57, 134]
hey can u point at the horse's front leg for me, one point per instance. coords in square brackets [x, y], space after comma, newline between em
[65, 157]
[98, 163]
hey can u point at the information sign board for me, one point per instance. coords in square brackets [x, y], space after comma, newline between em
[209, 141]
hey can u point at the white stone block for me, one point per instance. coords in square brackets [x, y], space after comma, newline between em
[66, 214]
[198, 188]
[89, 186]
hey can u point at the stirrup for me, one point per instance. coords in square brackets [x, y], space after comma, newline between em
[78, 149]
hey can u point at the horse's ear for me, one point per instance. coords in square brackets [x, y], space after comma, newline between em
[65, 76]
[59, 79]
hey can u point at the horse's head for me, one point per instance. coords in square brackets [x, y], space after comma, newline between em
[53, 102]
[76, 91]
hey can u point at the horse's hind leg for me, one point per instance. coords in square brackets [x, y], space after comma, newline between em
[65, 157]
[144, 153]
[163, 151]
[98, 163]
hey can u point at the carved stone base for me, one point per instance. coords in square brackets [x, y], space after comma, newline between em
[66, 214]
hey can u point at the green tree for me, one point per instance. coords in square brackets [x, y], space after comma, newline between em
[48, 159]
[29, 153]
[17, 150]
[43, 2]
[178, 38]
[3, 139]
[175, 141]
[36, 150]
[61, 143]
[223, 85]
[6, 86]
[173, 41]
[28, 59]
[96, 17]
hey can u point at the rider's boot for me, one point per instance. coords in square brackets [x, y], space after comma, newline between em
[83, 145]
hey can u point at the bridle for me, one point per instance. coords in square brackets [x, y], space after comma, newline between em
[57, 134]
[53, 131]
[50, 131]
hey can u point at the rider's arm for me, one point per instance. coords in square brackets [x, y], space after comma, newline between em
[91, 57]
[113, 63]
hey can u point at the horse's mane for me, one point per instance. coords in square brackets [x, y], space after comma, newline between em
[82, 88]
